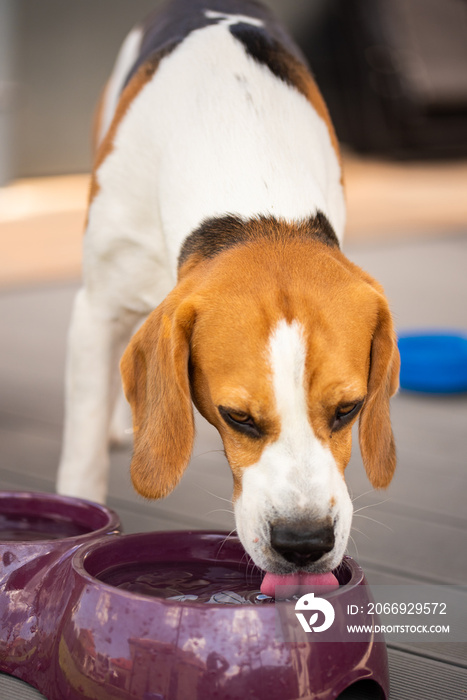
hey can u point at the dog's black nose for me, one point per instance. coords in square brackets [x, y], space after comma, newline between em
[302, 545]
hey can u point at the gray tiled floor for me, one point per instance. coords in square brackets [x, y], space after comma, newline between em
[415, 531]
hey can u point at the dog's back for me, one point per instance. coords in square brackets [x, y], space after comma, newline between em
[168, 26]
[210, 111]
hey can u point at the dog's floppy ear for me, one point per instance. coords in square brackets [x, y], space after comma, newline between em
[375, 432]
[154, 371]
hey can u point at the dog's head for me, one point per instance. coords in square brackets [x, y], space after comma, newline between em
[281, 346]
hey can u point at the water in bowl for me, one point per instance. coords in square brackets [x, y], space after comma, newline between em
[201, 582]
[18, 527]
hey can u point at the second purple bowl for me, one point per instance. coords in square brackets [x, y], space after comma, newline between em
[38, 534]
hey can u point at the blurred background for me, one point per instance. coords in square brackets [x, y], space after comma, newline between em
[394, 74]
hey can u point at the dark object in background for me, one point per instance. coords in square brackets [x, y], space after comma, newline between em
[394, 74]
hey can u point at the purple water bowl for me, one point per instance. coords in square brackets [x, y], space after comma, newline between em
[144, 621]
[38, 534]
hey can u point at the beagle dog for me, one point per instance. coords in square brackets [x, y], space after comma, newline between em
[217, 213]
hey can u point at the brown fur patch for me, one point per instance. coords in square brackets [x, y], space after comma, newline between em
[375, 434]
[211, 336]
[154, 371]
[243, 298]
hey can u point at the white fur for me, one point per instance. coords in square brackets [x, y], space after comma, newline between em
[227, 20]
[296, 476]
[95, 344]
[212, 132]
[206, 137]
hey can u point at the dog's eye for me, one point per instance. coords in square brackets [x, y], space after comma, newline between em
[239, 417]
[240, 421]
[345, 413]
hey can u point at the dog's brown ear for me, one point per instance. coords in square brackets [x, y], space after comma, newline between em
[154, 371]
[375, 432]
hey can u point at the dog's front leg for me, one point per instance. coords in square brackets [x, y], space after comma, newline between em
[96, 341]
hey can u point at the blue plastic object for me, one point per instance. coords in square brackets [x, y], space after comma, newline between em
[433, 362]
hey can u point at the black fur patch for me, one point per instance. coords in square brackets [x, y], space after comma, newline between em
[263, 48]
[214, 236]
[174, 21]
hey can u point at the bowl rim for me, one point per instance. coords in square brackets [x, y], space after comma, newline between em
[86, 551]
[110, 519]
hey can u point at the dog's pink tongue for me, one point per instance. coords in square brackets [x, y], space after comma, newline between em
[270, 581]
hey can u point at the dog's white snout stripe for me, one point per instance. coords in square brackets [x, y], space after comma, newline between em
[287, 353]
[297, 475]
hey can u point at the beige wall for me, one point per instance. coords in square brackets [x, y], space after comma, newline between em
[7, 40]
